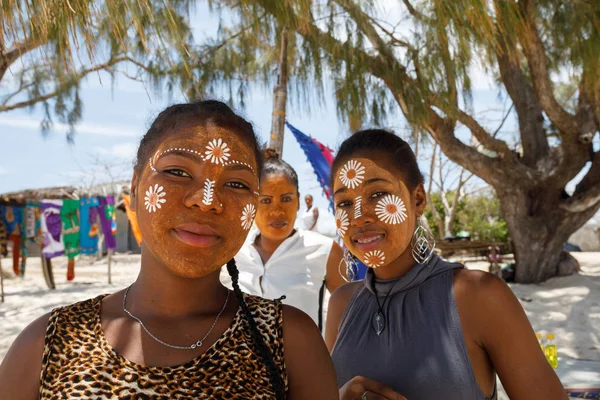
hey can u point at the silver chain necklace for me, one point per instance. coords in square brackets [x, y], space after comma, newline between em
[191, 347]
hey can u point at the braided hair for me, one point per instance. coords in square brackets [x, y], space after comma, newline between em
[257, 338]
[216, 113]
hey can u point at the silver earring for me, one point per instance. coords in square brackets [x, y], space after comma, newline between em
[350, 266]
[422, 244]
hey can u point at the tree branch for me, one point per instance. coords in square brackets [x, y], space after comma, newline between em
[413, 11]
[17, 50]
[587, 192]
[61, 88]
[538, 65]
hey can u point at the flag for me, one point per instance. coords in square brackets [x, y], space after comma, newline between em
[320, 158]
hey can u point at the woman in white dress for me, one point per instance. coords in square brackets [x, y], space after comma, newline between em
[311, 215]
[278, 260]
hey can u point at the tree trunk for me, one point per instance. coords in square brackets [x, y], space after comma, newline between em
[280, 98]
[538, 233]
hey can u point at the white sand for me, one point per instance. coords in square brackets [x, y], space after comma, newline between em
[29, 298]
[569, 307]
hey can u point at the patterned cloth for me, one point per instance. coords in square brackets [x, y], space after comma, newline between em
[89, 228]
[79, 362]
[69, 215]
[107, 216]
[52, 228]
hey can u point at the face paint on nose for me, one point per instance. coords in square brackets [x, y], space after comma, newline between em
[209, 191]
[358, 207]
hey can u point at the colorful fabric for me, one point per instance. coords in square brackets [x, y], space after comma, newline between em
[51, 228]
[107, 215]
[70, 226]
[319, 158]
[3, 240]
[32, 222]
[24, 250]
[11, 218]
[88, 232]
[131, 215]
[16, 252]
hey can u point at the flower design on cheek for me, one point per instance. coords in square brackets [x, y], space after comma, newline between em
[391, 210]
[374, 258]
[341, 221]
[352, 174]
[217, 152]
[154, 198]
[248, 216]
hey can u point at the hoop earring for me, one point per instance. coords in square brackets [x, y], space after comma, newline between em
[350, 266]
[422, 244]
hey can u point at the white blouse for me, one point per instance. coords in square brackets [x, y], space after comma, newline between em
[296, 269]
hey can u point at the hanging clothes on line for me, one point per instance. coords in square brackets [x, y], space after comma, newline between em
[11, 216]
[88, 229]
[51, 228]
[107, 215]
[3, 240]
[70, 233]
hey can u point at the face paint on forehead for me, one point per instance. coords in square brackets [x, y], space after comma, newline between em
[352, 174]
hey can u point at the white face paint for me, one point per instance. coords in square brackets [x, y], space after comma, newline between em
[217, 152]
[248, 215]
[352, 174]
[209, 190]
[358, 207]
[154, 198]
[391, 210]
[162, 153]
[374, 259]
[341, 221]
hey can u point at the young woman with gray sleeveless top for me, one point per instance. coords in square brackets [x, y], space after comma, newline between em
[418, 326]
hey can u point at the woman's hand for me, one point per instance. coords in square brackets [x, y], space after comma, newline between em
[361, 388]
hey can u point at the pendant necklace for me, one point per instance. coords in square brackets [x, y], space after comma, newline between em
[379, 323]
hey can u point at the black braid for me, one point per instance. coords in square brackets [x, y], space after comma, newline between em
[257, 338]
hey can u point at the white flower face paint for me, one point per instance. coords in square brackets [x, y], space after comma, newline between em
[209, 190]
[374, 258]
[154, 198]
[352, 174]
[358, 207]
[217, 152]
[341, 221]
[248, 216]
[391, 210]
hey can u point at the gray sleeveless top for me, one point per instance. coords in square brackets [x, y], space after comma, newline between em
[421, 353]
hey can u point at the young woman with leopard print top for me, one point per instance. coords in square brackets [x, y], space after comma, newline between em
[177, 332]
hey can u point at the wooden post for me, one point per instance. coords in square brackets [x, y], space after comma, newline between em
[1, 282]
[110, 252]
[280, 98]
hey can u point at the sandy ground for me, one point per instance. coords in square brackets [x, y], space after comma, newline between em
[569, 307]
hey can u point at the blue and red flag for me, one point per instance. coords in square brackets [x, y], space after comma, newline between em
[320, 158]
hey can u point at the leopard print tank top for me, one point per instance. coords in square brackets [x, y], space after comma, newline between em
[78, 362]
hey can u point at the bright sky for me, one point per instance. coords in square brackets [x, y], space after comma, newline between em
[115, 118]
